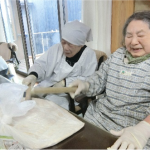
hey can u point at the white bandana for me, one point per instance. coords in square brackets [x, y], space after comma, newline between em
[76, 33]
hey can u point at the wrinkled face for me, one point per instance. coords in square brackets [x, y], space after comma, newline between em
[137, 39]
[69, 49]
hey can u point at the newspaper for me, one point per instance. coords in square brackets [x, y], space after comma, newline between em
[7, 142]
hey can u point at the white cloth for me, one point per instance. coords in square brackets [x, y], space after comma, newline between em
[77, 33]
[97, 15]
[52, 67]
[4, 80]
[61, 99]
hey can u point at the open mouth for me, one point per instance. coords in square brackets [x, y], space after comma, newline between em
[136, 49]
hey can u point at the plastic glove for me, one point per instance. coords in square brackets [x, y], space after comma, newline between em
[132, 137]
[60, 84]
[13, 46]
[82, 87]
[31, 79]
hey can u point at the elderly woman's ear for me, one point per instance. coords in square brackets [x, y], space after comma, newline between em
[13, 46]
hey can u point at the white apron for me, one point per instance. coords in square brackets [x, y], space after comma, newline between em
[52, 67]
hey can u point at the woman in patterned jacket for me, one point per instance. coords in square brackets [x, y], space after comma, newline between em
[124, 107]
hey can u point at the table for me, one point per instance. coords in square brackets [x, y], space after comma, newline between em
[89, 137]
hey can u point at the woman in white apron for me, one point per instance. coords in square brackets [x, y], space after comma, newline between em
[64, 62]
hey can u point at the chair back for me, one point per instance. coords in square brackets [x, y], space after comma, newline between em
[82, 99]
[100, 54]
[9, 55]
[5, 52]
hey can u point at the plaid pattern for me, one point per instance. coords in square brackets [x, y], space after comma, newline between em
[126, 100]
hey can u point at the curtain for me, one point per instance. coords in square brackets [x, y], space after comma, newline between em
[97, 15]
[2, 35]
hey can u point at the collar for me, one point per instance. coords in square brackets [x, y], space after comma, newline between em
[132, 60]
[71, 61]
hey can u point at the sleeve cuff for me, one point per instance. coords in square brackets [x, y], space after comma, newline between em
[33, 73]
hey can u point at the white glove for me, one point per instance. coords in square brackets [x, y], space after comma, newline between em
[31, 79]
[132, 137]
[13, 46]
[60, 84]
[82, 87]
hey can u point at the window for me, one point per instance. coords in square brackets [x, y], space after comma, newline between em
[38, 25]
[74, 10]
[7, 20]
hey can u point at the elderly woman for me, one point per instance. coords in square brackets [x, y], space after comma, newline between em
[64, 62]
[125, 79]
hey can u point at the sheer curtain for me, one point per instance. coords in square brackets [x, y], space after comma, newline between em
[2, 35]
[97, 15]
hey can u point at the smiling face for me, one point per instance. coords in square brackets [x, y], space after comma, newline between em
[137, 38]
[69, 49]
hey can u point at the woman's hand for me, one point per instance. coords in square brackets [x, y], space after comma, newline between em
[132, 137]
[82, 87]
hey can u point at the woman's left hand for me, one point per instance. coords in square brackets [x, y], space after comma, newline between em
[132, 137]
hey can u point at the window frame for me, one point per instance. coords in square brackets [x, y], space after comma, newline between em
[62, 19]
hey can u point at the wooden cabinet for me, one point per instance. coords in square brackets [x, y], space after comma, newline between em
[121, 10]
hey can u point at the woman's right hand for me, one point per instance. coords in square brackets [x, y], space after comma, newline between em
[82, 87]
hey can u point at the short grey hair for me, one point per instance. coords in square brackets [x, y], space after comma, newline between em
[143, 16]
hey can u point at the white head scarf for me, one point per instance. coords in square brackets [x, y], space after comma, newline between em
[76, 33]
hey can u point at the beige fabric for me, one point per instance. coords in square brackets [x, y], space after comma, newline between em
[100, 54]
[1, 42]
[5, 51]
